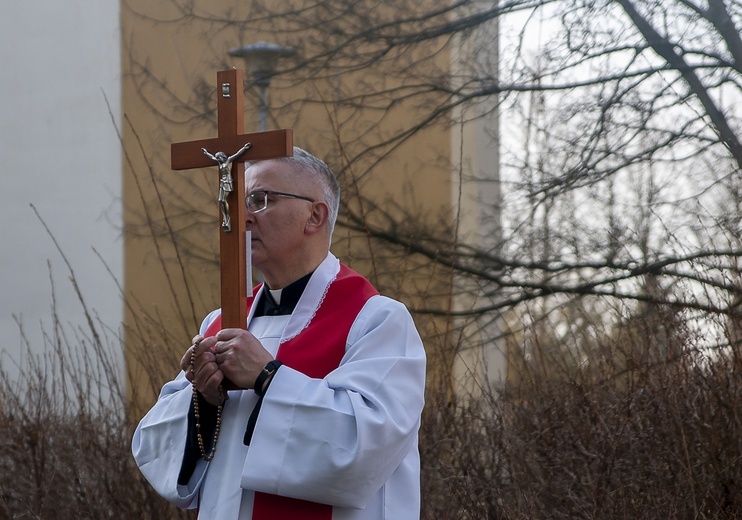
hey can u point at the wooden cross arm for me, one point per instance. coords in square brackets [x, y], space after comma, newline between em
[265, 145]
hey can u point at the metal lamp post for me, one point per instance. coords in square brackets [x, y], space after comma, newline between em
[261, 58]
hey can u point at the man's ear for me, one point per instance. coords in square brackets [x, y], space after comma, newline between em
[318, 218]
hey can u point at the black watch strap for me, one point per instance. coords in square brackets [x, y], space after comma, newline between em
[268, 370]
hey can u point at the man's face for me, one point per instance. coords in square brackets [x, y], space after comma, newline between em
[277, 231]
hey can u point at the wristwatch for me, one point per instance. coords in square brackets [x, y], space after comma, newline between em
[267, 373]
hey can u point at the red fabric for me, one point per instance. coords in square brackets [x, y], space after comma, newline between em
[315, 351]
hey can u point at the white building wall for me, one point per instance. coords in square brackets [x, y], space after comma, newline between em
[59, 152]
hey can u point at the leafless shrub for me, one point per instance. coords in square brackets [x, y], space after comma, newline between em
[658, 440]
[66, 434]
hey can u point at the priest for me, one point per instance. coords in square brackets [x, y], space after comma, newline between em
[313, 411]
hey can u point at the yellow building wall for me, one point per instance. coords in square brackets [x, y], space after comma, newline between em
[171, 218]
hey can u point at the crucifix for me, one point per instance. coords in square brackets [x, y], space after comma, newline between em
[228, 152]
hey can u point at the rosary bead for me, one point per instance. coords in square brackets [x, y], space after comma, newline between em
[196, 413]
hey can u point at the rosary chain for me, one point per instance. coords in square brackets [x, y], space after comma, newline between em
[196, 413]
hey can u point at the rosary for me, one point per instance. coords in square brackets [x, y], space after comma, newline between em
[197, 414]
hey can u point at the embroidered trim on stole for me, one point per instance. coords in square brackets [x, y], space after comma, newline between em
[314, 313]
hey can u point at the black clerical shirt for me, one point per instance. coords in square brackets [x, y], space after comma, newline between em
[290, 295]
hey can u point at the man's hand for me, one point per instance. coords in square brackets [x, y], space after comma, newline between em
[240, 356]
[204, 372]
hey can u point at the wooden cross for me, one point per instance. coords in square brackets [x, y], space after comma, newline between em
[263, 145]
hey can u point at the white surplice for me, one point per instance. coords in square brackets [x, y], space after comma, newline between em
[348, 440]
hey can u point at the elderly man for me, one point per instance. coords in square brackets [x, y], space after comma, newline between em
[311, 413]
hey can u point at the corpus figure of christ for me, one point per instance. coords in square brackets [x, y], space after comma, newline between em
[225, 180]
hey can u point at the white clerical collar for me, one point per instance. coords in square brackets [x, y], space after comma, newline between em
[276, 294]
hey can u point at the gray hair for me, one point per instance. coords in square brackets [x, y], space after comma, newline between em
[307, 163]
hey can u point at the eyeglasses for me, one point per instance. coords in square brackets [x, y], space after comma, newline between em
[257, 200]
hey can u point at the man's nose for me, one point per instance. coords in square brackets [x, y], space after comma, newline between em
[249, 218]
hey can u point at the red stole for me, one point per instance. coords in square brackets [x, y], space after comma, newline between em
[315, 351]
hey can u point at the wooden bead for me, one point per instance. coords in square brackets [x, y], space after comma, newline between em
[197, 414]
